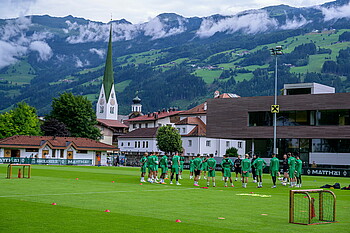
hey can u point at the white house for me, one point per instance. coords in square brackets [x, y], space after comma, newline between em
[139, 141]
[194, 140]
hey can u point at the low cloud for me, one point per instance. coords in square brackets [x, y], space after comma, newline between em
[336, 12]
[94, 32]
[295, 23]
[156, 29]
[251, 23]
[79, 63]
[44, 50]
[15, 43]
[100, 52]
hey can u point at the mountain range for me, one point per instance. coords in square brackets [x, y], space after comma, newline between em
[171, 60]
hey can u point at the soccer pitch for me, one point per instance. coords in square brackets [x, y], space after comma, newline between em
[26, 204]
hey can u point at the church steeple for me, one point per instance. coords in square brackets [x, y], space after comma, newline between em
[108, 78]
[107, 106]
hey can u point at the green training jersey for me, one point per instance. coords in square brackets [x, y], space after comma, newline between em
[150, 160]
[197, 162]
[155, 160]
[259, 164]
[175, 161]
[163, 161]
[191, 162]
[246, 164]
[211, 164]
[182, 160]
[274, 164]
[291, 163]
[298, 165]
[143, 161]
[227, 163]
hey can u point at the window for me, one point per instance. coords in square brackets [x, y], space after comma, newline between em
[135, 145]
[143, 144]
[112, 95]
[227, 144]
[146, 144]
[208, 143]
[189, 143]
[112, 110]
[134, 126]
[260, 119]
[239, 145]
[82, 151]
[138, 144]
[61, 153]
[178, 129]
[183, 130]
[140, 125]
[101, 109]
[122, 144]
[146, 125]
[128, 143]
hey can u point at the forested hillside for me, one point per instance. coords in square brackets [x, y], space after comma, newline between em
[171, 60]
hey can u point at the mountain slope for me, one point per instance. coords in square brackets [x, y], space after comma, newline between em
[182, 60]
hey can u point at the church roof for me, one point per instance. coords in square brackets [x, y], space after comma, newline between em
[108, 78]
[111, 123]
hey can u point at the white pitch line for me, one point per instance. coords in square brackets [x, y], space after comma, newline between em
[60, 194]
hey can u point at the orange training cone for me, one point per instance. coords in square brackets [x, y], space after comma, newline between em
[77, 178]
[177, 220]
[107, 211]
[112, 181]
[54, 203]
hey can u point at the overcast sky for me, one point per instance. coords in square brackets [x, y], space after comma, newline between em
[136, 11]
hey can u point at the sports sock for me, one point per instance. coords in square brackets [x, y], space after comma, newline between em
[177, 177]
[171, 177]
[225, 183]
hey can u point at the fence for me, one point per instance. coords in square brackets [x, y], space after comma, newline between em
[41, 161]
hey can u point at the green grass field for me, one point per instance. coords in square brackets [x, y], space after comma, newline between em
[26, 204]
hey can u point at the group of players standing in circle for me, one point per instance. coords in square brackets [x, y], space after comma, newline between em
[206, 166]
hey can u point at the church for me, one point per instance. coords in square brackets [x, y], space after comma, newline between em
[107, 104]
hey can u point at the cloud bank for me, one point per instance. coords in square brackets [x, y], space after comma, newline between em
[336, 12]
[94, 32]
[14, 42]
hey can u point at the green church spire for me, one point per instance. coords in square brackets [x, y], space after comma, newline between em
[108, 78]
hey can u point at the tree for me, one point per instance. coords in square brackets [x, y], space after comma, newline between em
[53, 127]
[232, 152]
[22, 120]
[169, 139]
[77, 114]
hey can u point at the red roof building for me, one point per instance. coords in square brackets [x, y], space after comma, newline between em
[49, 147]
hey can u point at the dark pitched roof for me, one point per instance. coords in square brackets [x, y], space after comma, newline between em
[22, 141]
[111, 123]
[154, 116]
[141, 133]
[199, 109]
[199, 130]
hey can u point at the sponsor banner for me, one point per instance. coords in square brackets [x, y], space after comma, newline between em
[326, 172]
[46, 161]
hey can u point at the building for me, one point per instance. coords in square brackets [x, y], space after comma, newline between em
[155, 119]
[139, 141]
[111, 130]
[107, 104]
[54, 150]
[194, 140]
[314, 125]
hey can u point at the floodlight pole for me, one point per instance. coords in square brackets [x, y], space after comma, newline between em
[275, 114]
[275, 52]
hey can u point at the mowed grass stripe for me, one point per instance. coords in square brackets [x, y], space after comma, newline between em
[151, 207]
